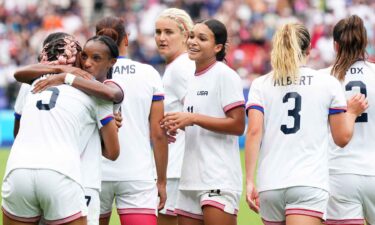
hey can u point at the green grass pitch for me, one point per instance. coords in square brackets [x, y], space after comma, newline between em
[245, 216]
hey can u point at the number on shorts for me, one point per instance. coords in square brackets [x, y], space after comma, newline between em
[362, 88]
[293, 113]
[52, 101]
[88, 200]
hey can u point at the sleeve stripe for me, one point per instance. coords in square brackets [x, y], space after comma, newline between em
[17, 116]
[257, 107]
[333, 111]
[123, 94]
[106, 120]
[234, 105]
[157, 97]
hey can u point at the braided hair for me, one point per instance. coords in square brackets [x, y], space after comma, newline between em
[61, 50]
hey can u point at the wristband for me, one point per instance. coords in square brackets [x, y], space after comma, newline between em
[69, 78]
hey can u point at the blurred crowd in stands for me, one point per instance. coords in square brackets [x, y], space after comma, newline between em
[251, 24]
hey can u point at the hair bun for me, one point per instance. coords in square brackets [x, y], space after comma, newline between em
[109, 32]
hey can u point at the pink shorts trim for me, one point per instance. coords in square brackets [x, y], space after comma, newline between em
[266, 222]
[305, 212]
[170, 212]
[65, 220]
[21, 219]
[180, 212]
[345, 222]
[105, 215]
[216, 205]
[136, 211]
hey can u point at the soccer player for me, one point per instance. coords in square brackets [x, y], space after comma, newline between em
[289, 111]
[130, 180]
[171, 33]
[95, 55]
[43, 175]
[352, 169]
[213, 118]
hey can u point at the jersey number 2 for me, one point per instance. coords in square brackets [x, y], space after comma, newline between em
[52, 100]
[293, 113]
[362, 88]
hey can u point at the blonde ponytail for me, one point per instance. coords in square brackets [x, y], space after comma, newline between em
[290, 44]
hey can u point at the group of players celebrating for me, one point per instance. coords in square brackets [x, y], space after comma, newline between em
[94, 126]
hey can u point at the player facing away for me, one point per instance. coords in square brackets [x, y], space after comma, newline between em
[43, 175]
[290, 112]
[213, 118]
[130, 180]
[352, 169]
[97, 57]
[172, 29]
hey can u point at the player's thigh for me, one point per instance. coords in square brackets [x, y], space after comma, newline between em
[306, 202]
[19, 201]
[345, 203]
[215, 216]
[272, 206]
[61, 198]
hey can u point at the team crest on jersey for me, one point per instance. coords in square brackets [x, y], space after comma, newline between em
[204, 93]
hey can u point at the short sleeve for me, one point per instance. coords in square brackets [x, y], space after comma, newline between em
[338, 100]
[254, 98]
[21, 100]
[157, 86]
[104, 112]
[231, 91]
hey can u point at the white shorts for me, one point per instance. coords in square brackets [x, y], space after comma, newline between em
[172, 192]
[93, 204]
[275, 205]
[29, 193]
[352, 199]
[190, 203]
[132, 197]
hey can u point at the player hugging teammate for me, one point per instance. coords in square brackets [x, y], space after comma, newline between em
[96, 128]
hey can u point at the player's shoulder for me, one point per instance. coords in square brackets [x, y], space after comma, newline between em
[224, 71]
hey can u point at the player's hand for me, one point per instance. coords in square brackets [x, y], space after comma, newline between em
[162, 192]
[357, 104]
[76, 71]
[252, 197]
[52, 80]
[171, 137]
[118, 119]
[177, 120]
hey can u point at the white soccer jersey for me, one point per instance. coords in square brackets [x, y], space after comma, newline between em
[294, 150]
[91, 157]
[212, 160]
[175, 81]
[50, 130]
[358, 156]
[21, 99]
[143, 85]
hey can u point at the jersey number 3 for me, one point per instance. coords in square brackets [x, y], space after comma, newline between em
[293, 113]
[52, 100]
